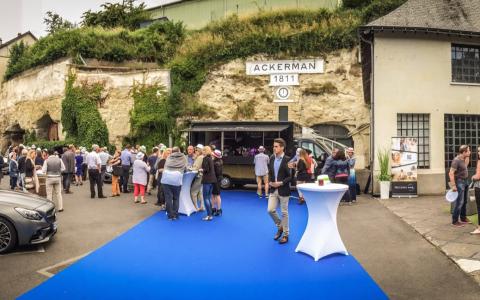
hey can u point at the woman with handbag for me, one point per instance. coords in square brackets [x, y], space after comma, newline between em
[117, 171]
[31, 179]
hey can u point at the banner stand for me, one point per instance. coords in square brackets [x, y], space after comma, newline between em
[404, 166]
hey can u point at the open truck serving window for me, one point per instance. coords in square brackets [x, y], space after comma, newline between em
[239, 142]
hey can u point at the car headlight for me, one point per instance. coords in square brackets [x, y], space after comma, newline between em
[29, 214]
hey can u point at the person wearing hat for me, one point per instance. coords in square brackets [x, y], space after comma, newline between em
[261, 171]
[196, 192]
[216, 200]
[139, 177]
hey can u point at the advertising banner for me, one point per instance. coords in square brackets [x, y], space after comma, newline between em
[404, 165]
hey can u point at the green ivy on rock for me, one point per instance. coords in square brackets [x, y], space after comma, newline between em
[81, 119]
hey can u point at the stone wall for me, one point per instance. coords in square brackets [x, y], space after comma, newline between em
[335, 97]
[27, 98]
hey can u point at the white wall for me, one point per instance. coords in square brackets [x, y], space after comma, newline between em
[413, 75]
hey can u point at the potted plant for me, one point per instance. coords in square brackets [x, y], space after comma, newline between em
[384, 176]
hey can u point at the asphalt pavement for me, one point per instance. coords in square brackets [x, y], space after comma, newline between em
[399, 259]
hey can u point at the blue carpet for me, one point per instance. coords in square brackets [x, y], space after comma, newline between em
[232, 257]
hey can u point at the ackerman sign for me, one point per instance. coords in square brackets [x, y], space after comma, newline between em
[303, 66]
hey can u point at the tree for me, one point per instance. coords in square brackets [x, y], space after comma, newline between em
[125, 14]
[56, 23]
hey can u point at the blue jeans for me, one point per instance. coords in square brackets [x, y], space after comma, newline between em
[207, 197]
[460, 208]
[172, 199]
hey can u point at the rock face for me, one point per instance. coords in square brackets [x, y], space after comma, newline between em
[28, 98]
[335, 97]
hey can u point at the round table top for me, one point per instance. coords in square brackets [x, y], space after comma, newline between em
[331, 187]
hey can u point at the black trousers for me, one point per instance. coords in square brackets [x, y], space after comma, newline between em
[477, 199]
[95, 179]
[124, 178]
[172, 197]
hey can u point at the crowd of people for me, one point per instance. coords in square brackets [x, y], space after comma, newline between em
[163, 169]
[339, 166]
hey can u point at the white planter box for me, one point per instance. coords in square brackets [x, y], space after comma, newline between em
[384, 189]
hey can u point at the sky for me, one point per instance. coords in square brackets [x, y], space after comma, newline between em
[20, 16]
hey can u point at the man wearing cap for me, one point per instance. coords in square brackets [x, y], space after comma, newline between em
[126, 158]
[196, 189]
[94, 166]
[261, 171]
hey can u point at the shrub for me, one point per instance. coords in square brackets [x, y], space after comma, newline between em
[81, 119]
[322, 89]
[156, 43]
[151, 120]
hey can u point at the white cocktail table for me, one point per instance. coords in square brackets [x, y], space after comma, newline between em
[321, 237]
[186, 206]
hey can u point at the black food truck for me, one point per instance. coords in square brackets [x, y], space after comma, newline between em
[239, 142]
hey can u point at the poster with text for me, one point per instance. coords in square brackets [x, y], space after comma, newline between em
[404, 165]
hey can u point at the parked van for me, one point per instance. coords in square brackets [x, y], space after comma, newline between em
[239, 142]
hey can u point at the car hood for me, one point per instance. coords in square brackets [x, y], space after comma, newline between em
[23, 200]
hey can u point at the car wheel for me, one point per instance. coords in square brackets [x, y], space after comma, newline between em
[226, 183]
[8, 236]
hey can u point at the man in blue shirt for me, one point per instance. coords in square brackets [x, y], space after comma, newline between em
[280, 176]
[126, 158]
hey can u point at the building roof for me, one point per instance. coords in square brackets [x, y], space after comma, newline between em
[435, 15]
[164, 4]
[17, 38]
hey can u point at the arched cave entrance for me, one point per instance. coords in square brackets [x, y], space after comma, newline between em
[47, 129]
[334, 132]
[14, 135]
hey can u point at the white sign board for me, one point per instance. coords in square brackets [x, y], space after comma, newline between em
[283, 79]
[302, 66]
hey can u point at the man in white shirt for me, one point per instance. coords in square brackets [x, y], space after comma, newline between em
[261, 171]
[104, 157]
[94, 166]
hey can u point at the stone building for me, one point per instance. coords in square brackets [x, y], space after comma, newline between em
[422, 77]
[331, 102]
[28, 38]
[32, 101]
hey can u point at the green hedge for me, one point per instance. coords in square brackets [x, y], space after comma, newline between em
[156, 43]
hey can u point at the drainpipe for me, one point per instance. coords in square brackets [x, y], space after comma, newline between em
[372, 113]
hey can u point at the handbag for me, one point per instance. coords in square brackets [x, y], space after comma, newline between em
[117, 170]
[29, 184]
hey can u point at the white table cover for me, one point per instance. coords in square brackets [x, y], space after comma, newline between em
[186, 206]
[321, 237]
